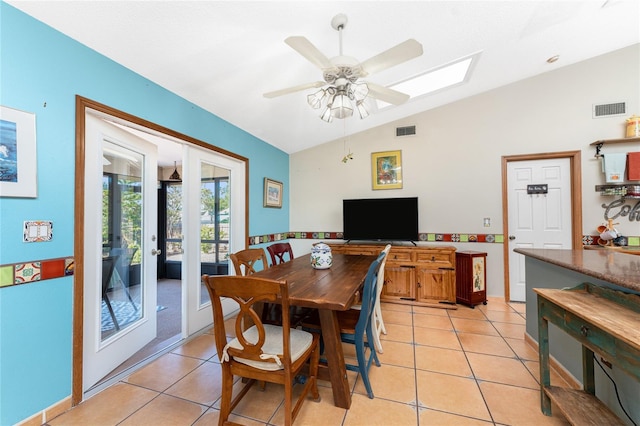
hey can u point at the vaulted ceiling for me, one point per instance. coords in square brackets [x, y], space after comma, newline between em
[224, 55]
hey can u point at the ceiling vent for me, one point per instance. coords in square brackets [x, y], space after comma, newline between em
[607, 110]
[405, 131]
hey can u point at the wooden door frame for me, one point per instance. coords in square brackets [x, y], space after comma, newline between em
[575, 167]
[82, 105]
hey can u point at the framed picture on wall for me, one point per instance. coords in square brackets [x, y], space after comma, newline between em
[18, 162]
[272, 193]
[386, 170]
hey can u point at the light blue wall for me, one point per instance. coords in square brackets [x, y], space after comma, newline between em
[42, 71]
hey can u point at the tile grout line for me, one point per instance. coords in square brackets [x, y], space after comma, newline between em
[473, 374]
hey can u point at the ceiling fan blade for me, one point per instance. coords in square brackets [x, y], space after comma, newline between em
[308, 50]
[396, 55]
[293, 89]
[387, 95]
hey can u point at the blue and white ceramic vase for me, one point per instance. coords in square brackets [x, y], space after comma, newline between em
[321, 257]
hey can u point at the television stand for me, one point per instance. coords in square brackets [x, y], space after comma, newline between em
[418, 275]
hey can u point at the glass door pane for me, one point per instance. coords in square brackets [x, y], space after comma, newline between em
[173, 247]
[122, 284]
[214, 223]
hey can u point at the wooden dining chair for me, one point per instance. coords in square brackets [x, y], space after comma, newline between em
[355, 324]
[281, 253]
[245, 261]
[263, 352]
[378, 322]
[278, 252]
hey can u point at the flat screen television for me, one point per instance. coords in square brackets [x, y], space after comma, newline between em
[380, 219]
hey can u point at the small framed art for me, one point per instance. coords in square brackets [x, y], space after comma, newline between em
[272, 193]
[18, 167]
[386, 170]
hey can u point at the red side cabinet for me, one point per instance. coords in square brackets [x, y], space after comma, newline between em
[471, 278]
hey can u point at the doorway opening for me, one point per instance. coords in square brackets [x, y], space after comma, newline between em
[189, 312]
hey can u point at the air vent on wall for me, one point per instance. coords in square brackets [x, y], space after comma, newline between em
[405, 131]
[607, 110]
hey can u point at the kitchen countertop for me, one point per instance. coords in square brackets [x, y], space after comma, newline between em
[614, 266]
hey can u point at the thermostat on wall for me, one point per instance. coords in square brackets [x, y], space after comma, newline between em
[36, 231]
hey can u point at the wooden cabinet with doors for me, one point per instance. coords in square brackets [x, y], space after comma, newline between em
[422, 275]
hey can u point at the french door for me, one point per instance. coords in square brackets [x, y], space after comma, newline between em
[120, 247]
[213, 225]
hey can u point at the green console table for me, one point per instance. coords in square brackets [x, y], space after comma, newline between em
[604, 321]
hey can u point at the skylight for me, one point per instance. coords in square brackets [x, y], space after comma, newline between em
[435, 79]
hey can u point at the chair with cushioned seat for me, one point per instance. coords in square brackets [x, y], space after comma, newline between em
[263, 352]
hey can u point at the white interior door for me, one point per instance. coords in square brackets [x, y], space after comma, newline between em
[214, 226]
[536, 220]
[120, 227]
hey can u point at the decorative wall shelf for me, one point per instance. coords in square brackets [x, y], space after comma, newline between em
[620, 190]
[600, 143]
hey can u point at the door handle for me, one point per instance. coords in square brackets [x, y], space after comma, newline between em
[155, 252]
[512, 237]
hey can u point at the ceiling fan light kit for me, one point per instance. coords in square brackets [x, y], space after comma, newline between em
[343, 91]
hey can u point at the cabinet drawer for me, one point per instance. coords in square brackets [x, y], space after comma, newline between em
[355, 250]
[399, 256]
[365, 252]
[434, 257]
[588, 334]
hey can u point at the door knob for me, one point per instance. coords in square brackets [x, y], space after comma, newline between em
[512, 237]
[155, 252]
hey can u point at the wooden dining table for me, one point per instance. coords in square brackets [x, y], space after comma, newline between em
[328, 290]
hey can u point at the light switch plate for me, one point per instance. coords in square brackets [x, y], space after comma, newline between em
[37, 231]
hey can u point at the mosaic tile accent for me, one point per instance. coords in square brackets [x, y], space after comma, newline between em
[52, 269]
[27, 272]
[69, 266]
[6, 275]
[592, 240]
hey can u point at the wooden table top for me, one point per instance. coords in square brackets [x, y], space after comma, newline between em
[332, 288]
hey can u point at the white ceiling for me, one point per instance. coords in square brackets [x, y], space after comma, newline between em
[223, 55]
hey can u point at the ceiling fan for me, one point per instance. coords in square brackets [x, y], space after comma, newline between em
[342, 87]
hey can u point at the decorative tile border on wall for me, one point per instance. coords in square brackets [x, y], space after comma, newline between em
[592, 240]
[38, 270]
[633, 241]
[424, 237]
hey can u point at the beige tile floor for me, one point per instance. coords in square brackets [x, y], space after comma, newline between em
[439, 367]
